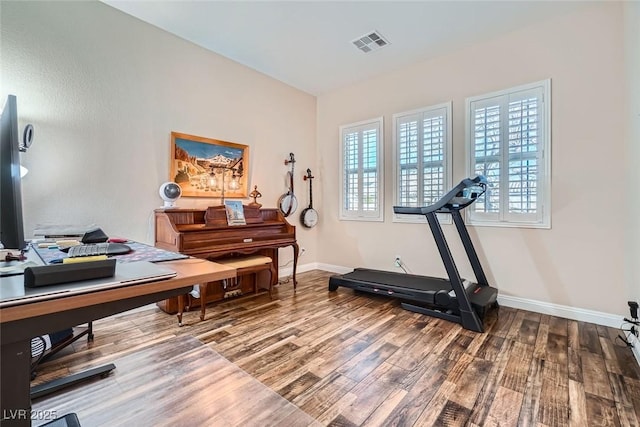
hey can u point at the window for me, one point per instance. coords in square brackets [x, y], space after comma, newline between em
[509, 141]
[361, 158]
[422, 147]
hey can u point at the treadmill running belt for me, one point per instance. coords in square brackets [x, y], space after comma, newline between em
[391, 278]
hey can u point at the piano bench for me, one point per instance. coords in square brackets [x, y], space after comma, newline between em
[252, 264]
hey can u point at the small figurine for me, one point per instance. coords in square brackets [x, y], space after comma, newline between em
[256, 195]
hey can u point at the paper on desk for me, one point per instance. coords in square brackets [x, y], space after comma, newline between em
[16, 268]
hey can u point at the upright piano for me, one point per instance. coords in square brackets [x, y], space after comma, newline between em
[205, 233]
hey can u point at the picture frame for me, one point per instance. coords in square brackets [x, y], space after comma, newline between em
[207, 167]
[235, 212]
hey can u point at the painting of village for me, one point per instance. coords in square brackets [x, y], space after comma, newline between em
[205, 167]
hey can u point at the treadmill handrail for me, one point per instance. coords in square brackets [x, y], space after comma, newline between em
[453, 200]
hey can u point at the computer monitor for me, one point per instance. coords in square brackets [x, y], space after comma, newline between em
[11, 221]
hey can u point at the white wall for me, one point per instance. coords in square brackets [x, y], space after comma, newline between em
[105, 90]
[632, 89]
[580, 261]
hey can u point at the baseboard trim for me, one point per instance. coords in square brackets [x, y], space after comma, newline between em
[573, 313]
[334, 268]
[284, 272]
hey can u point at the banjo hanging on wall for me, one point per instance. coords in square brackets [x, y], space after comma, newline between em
[309, 216]
[287, 203]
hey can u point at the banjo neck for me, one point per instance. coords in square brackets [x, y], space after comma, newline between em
[311, 192]
[291, 160]
[310, 178]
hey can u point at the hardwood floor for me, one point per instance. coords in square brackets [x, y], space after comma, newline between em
[178, 381]
[348, 360]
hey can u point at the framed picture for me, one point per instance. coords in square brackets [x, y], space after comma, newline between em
[205, 167]
[235, 212]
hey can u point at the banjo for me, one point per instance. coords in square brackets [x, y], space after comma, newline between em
[287, 203]
[309, 216]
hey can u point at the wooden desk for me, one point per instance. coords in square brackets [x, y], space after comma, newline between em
[20, 323]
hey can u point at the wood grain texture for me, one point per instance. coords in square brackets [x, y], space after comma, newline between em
[346, 359]
[177, 381]
[188, 272]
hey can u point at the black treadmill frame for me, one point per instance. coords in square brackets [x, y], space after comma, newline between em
[467, 316]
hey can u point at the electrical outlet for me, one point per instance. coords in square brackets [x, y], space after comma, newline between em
[398, 261]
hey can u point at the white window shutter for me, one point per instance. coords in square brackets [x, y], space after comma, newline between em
[509, 141]
[422, 157]
[361, 173]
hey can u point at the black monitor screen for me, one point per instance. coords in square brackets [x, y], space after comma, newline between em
[11, 225]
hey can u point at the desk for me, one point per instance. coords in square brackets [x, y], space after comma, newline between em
[20, 323]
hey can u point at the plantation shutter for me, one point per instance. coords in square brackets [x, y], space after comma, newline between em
[362, 171]
[422, 143]
[508, 148]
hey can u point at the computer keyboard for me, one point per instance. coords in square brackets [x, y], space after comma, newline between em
[93, 249]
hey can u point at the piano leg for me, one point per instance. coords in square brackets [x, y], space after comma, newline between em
[296, 249]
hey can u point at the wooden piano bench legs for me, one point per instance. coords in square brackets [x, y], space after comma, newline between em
[253, 264]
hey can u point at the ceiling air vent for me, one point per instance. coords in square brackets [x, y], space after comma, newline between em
[370, 42]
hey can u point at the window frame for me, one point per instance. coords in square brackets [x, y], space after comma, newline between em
[503, 218]
[447, 162]
[362, 215]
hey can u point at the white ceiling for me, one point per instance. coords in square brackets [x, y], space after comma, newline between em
[307, 44]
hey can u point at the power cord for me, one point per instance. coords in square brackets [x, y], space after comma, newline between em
[284, 280]
[288, 278]
[624, 340]
[633, 330]
[633, 309]
[302, 251]
[400, 264]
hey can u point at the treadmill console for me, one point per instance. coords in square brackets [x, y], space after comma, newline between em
[468, 194]
[462, 195]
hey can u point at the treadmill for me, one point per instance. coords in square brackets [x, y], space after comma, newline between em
[453, 299]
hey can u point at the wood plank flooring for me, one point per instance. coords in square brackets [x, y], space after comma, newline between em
[347, 359]
[177, 373]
